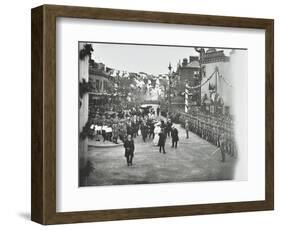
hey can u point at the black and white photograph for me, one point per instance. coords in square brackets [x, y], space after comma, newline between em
[151, 113]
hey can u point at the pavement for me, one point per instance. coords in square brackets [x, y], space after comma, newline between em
[194, 160]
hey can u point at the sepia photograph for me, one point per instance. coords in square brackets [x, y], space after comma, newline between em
[151, 113]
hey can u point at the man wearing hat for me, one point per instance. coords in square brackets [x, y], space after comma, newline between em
[169, 127]
[175, 137]
[162, 140]
[144, 131]
[129, 149]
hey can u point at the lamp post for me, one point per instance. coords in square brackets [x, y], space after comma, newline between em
[169, 98]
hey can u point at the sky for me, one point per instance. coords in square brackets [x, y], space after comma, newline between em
[151, 59]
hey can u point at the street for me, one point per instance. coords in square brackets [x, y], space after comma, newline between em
[194, 160]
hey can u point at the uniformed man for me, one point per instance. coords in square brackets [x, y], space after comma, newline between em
[187, 128]
[223, 146]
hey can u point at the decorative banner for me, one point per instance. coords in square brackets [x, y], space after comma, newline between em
[145, 76]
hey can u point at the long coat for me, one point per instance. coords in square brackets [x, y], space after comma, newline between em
[175, 134]
[144, 130]
[129, 147]
[162, 139]
[169, 126]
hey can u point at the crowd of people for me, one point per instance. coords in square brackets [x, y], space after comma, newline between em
[158, 130]
[126, 124]
[115, 127]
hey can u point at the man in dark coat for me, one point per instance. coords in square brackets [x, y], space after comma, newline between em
[162, 140]
[151, 130]
[144, 131]
[169, 127]
[129, 150]
[175, 137]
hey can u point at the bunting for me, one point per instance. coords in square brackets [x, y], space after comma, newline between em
[209, 78]
[200, 85]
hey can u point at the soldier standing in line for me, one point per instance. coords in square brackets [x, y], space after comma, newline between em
[200, 128]
[228, 142]
[187, 128]
[222, 146]
[192, 128]
[195, 126]
[215, 133]
[231, 144]
[203, 131]
[210, 134]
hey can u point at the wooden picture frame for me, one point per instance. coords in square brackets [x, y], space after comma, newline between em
[43, 205]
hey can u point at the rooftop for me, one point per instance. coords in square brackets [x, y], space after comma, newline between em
[212, 55]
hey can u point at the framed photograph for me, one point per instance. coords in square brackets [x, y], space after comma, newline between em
[140, 114]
